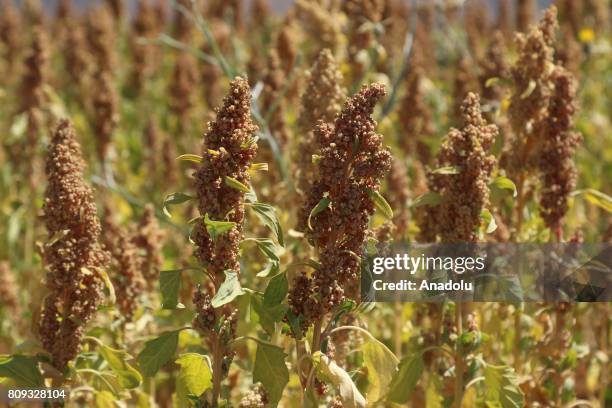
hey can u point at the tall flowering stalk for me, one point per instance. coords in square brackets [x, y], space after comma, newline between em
[8, 290]
[227, 155]
[149, 239]
[73, 256]
[556, 160]
[144, 26]
[361, 16]
[321, 101]
[465, 194]
[10, 27]
[353, 162]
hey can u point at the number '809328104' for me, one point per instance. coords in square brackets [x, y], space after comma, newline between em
[35, 394]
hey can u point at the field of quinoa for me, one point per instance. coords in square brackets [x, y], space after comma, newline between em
[188, 190]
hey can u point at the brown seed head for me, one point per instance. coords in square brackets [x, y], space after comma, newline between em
[73, 256]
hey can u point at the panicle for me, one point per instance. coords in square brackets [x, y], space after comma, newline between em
[257, 397]
[144, 26]
[76, 58]
[10, 33]
[125, 271]
[8, 289]
[228, 152]
[73, 256]
[416, 118]
[557, 156]
[321, 101]
[353, 162]
[149, 239]
[398, 192]
[361, 15]
[531, 92]
[105, 104]
[463, 84]
[182, 87]
[524, 14]
[272, 97]
[494, 64]
[319, 23]
[466, 194]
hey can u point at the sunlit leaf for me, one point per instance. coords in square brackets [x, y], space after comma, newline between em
[430, 198]
[174, 199]
[270, 369]
[158, 352]
[501, 385]
[504, 183]
[328, 371]
[194, 377]
[127, 376]
[381, 204]
[321, 205]
[217, 228]
[405, 380]
[382, 366]
[236, 185]
[190, 157]
[267, 215]
[228, 291]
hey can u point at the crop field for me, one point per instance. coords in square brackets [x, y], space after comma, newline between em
[193, 192]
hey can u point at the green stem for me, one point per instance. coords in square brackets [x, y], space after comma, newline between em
[459, 363]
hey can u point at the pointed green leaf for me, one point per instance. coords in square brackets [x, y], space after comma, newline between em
[405, 380]
[381, 204]
[127, 376]
[236, 185]
[158, 352]
[169, 286]
[268, 248]
[382, 366]
[276, 291]
[502, 389]
[217, 228]
[174, 199]
[190, 157]
[194, 377]
[504, 183]
[489, 220]
[430, 198]
[21, 369]
[321, 205]
[267, 215]
[270, 369]
[596, 197]
[228, 291]
[447, 170]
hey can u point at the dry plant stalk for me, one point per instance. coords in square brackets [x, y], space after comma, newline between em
[73, 256]
[181, 90]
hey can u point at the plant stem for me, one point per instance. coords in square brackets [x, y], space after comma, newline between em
[517, 337]
[459, 366]
[217, 370]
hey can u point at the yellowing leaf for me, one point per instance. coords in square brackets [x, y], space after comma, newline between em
[190, 157]
[382, 366]
[328, 371]
[194, 377]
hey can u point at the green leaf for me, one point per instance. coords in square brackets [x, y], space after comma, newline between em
[382, 366]
[174, 199]
[268, 248]
[194, 377]
[405, 380]
[276, 291]
[158, 352]
[270, 369]
[105, 399]
[228, 291]
[21, 369]
[321, 205]
[236, 185]
[488, 219]
[190, 157]
[328, 371]
[258, 167]
[107, 281]
[217, 228]
[380, 203]
[504, 183]
[267, 315]
[447, 170]
[597, 198]
[267, 215]
[510, 288]
[127, 376]
[501, 384]
[430, 198]
[169, 286]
